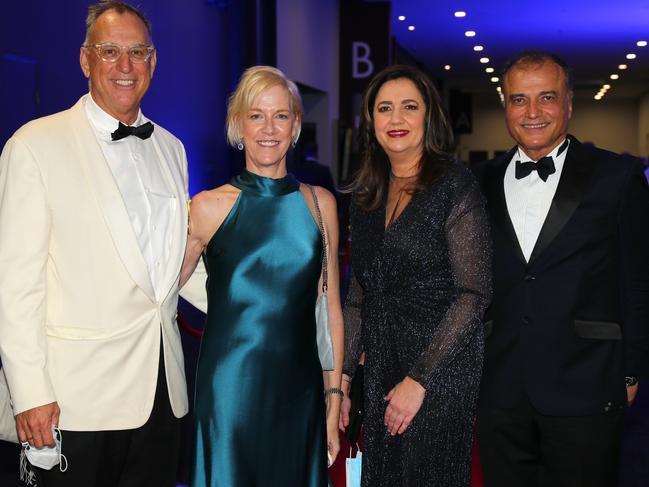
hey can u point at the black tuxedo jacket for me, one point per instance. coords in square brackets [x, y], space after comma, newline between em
[566, 327]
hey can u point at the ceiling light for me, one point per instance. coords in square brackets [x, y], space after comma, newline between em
[622, 66]
[630, 56]
[489, 70]
[484, 60]
[641, 43]
[470, 33]
[597, 97]
[411, 27]
[606, 86]
[478, 48]
[498, 89]
[447, 67]
[402, 17]
[615, 76]
[495, 79]
[460, 14]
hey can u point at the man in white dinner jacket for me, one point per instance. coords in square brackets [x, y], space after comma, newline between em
[93, 221]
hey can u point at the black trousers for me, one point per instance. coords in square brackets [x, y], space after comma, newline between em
[143, 457]
[520, 447]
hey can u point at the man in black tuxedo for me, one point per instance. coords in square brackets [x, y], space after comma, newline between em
[567, 331]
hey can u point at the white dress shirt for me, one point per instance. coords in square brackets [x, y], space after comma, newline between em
[137, 172]
[529, 198]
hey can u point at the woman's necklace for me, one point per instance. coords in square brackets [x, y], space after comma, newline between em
[392, 175]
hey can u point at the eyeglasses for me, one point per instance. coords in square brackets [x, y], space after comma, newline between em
[110, 52]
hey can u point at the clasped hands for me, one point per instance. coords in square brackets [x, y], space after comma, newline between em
[404, 401]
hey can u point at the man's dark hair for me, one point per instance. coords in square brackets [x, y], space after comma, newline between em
[97, 9]
[534, 57]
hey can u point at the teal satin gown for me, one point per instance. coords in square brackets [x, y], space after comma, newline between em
[259, 408]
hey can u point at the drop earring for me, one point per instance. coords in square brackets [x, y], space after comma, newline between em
[240, 145]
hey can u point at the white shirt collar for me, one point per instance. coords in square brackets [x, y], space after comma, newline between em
[106, 124]
[523, 157]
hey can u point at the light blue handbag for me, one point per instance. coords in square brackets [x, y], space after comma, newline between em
[323, 331]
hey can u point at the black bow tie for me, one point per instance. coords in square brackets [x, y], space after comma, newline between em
[143, 131]
[544, 166]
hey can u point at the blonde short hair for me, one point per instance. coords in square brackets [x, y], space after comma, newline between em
[253, 82]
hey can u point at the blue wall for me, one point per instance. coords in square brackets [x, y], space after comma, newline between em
[198, 63]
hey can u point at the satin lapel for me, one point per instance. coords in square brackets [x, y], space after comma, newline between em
[495, 193]
[570, 192]
[109, 199]
[178, 235]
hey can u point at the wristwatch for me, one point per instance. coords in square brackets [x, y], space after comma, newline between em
[630, 380]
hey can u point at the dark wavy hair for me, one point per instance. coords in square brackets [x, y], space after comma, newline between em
[369, 184]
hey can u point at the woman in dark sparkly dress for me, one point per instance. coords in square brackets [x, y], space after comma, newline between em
[420, 282]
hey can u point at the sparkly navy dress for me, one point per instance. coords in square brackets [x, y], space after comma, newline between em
[259, 409]
[417, 295]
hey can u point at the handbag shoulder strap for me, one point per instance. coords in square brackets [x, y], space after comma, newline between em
[324, 239]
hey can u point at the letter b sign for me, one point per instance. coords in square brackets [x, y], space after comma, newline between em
[362, 65]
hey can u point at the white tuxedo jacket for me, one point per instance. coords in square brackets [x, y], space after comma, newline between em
[79, 321]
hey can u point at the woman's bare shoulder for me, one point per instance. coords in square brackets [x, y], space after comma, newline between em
[213, 199]
[326, 200]
[209, 208]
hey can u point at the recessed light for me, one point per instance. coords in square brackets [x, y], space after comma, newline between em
[622, 66]
[411, 27]
[607, 86]
[478, 48]
[460, 14]
[615, 76]
[484, 60]
[402, 17]
[641, 43]
[495, 79]
[597, 97]
[470, 33]
[447, 67]
[489, 70]
[630, 56]
[498, 89]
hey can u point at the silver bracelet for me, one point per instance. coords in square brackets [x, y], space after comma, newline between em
[334, 390]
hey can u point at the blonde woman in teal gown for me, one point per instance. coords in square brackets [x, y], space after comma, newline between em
[261, 413]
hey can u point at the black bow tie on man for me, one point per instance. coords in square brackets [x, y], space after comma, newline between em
[544, 166]
[143, 131]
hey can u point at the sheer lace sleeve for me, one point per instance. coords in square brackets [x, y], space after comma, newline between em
[352, 318]
[469, 244]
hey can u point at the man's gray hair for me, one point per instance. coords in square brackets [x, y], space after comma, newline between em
[95, 11]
